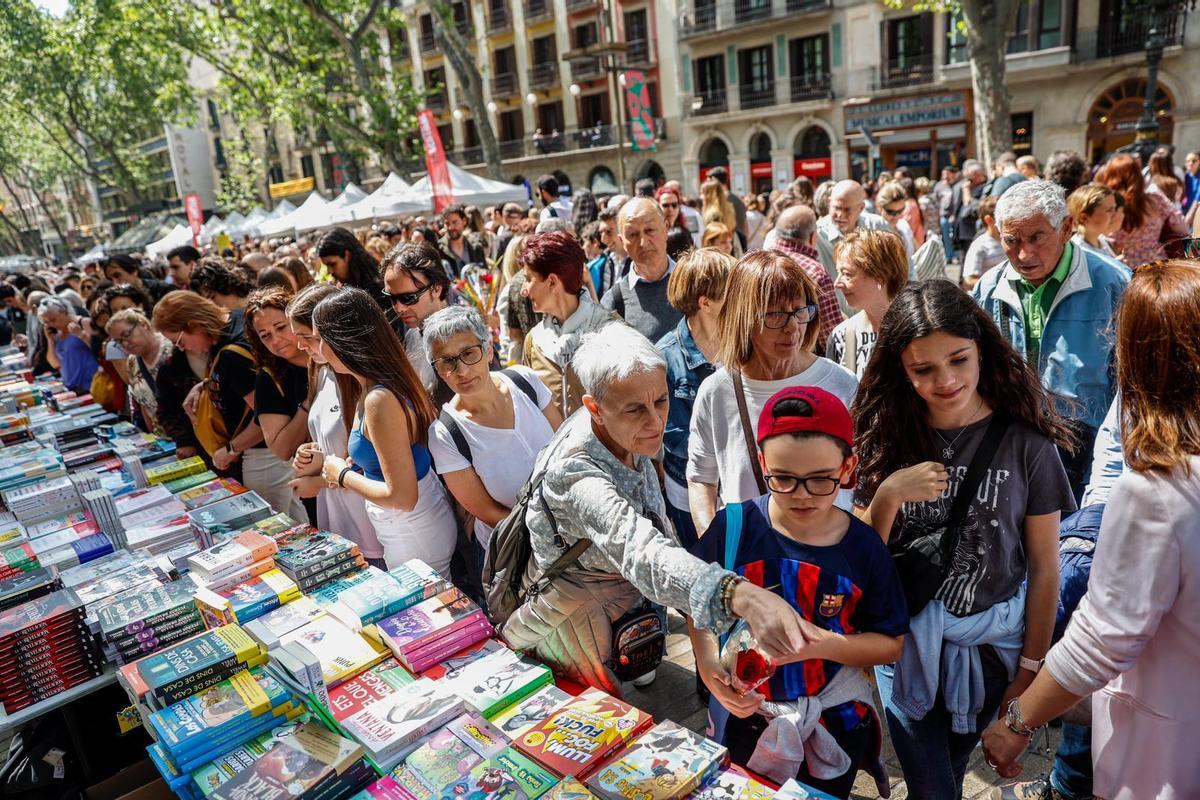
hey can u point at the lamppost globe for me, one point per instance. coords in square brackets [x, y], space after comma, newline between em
[531, 98]
[574, 89]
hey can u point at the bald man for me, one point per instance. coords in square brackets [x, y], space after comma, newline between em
[640, 296]
[847, 212]
[795, 235]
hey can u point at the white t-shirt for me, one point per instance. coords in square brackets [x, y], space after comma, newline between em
[414, 348]
[865, 337]
[983, 254]
[716, 447]
[562, 208]
[114, 351]
[694, 221]
[503, 458]
[339, 510]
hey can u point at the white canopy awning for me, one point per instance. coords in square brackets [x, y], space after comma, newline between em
[392, 198]
[469, 188]
[335, 209]
[179, 235]
[312, 208]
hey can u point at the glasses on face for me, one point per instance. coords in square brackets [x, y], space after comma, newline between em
[125, 337]
[448, 365]
[816, 486]
[408, 298]
[776, 320]
[178, 338]
[669, 205]
[892, 211]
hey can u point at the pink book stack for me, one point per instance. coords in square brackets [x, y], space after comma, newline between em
[423, 635]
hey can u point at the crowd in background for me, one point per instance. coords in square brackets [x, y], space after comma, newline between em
[766, 407]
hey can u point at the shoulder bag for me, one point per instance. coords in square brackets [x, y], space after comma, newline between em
[747, 430]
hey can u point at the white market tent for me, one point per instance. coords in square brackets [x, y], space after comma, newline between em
[332, 212]
[179, 235]
[392, 198]
[312, 208]
[470, 189]
[92, 256]
[211, 228]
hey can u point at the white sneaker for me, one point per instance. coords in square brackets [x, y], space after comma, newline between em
[646, 679]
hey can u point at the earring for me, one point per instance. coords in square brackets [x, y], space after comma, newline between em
[879, 286]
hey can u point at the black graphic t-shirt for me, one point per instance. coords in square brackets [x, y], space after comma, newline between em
[1026, 478]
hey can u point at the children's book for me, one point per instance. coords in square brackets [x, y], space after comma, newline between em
[508, 775]
[582, 734]
[391, 726]
[667, 762]
[309, 755]
[495, 682]
[732, 784]
[519, 718]
[568, 789]
[340, 651]
[449, 755]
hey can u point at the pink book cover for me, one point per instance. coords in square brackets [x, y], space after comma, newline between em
[429, 620]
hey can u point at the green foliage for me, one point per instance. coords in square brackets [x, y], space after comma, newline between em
[239, 189]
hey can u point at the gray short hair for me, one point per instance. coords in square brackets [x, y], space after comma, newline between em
[613, 353]
[53, 304]
[1027, 199]
[451, 321]
[554, 225]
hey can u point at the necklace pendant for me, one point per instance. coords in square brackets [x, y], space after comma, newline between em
[948, 454]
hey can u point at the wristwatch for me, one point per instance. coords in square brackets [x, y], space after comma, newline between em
[1030, 664]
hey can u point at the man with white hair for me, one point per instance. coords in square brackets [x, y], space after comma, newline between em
[847, 212]
[1056, 303]
[66, 351]
[640, 297]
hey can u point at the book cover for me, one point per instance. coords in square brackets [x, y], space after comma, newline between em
[391, 726]
[376, 683]
[520, 718]
[189, 481]
[276, 525]
[206, 778]
[432, 651]
[328, 574]
[135, 612]
[429, 620]
[300, 759]
[386, 788]
[508, 774]
[247, 600]
[794, 790]
[230, 515]
[569, 789]
[175, 469]
[188, 667]
[667, 762]
[230, 579]
[237, 551]
[731, 784]
[308, 554]
[451, 667]
[578, 737]
[210, 492]
[211, 713]
[449, 755]
[37, 612]
[495, 682]
[270, 627]
[415, 574]
[340, 651]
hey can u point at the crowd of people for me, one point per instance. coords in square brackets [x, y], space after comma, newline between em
[863, 418]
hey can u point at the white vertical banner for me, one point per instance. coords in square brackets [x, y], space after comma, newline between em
[191, 162]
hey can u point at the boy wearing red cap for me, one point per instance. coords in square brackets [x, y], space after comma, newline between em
[813, 719]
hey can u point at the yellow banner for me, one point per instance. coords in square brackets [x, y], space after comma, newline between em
[288, 188]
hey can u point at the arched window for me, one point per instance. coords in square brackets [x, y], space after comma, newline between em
[760, 147]
[714, 153]
[813, 142]
[1116, 111]
[602, 181]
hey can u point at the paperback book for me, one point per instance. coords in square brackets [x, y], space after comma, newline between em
[521, 717]
[451, 667]
[667, 762]
[210, 492]
[232, 554]
[582, 734]
[733, 784]
[187, 667]
[448, 756]
[268, 629]
[340, 651]
[246, 601]
[390, 727]
[495, 682]
[377, 683]
[308, 757]
[509, 775]
[427, 631]
[308, 554]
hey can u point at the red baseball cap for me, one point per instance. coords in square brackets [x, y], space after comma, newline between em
[827, 415]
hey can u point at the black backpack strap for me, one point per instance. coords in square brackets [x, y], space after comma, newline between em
[553, 211]
[522, 384]
[980, 463]
[619, 296]
[460, 441]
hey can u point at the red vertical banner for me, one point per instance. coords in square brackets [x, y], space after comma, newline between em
[195, 215]
[641, 116]
[435, 161]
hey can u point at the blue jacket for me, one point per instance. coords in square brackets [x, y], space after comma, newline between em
[686, 370]
[1075, 362]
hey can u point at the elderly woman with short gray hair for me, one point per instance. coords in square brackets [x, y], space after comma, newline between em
[599, 485]
[487, 437]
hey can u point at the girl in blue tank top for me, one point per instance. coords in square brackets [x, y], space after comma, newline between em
[388, 462]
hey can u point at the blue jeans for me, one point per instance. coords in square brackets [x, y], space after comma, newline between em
[685, 529]
[1072, 773]
[933, 758]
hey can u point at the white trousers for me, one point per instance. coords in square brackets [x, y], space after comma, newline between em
[428, 532]
[265, 473]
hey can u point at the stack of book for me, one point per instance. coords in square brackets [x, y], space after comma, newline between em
[732, 783]
[17, 559]
[185, 482]
[391, 727]
[448, 756]
[210, 492]
[493, 683]
[376, 683]
[28, 586]
[29, 463]
[161, 536]
[584, 733]
[522, 716]
[316, 558]
[247, 600]
[204, 780]
[329, 650]
[45, 648]
[363, 597]
[185, 668]
[144, 621]
[425, 634]
[81, 522]
[208, 724]
[419, 580]
[268, 629]
[44, 499]
[245, 555]
[163, 473]
[217, 522]
[667, 762]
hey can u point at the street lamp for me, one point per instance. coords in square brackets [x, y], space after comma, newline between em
[1161, 16]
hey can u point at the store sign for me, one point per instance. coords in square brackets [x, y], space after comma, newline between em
[288, 188]
[907, 112]
[813, 167]
[761, 169]
[191, 164]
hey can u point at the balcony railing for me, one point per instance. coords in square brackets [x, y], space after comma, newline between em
[756, 95]
[499, 19]
[800, 6]
[811, 87]
[538, 10]
[637, 52]
[713, 101]
[581, 5]
[585, 68]
[1116, 36]
[543, 75]
[708, 16]
[751, 10]
[573, 140]
[896, 73]
[702, 19]
[428, 44]
[504, 85]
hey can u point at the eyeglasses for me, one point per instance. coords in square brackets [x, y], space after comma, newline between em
[669, 205]
[816, 486]
[448, 365]
[178, 339]
[408, 298]
[126, 336]
[892, 212]
[776, 320]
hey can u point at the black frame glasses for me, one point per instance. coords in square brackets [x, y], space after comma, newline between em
[407, 298]
[787, 484]
[887, 212]
[448, 365]
[803, 315]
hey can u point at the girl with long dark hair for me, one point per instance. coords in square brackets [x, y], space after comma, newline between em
[939, 373]
[388, 441]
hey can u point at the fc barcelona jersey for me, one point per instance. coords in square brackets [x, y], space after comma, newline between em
[847, 588]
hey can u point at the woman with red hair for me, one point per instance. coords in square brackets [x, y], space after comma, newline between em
[671, 203]
[1150, 218]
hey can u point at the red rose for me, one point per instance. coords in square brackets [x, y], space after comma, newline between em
[752, 668]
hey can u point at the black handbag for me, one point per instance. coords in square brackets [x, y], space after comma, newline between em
[923, 562]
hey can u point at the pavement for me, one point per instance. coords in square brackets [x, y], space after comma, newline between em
[673, 696]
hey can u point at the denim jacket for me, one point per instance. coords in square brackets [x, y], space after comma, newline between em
[686, 370]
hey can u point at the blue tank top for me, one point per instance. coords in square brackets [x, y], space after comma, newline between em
[365, 458]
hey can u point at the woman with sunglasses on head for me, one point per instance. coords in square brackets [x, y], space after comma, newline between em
[388, 459]
[148, 351]
[330, 420]
[507, 412]
[765, 337]
[956, 441]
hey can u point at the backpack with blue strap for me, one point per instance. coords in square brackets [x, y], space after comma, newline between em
[718, 715]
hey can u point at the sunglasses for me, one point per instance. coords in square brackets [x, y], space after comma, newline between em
[892, 212]
[408, 298]
[669, 205]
